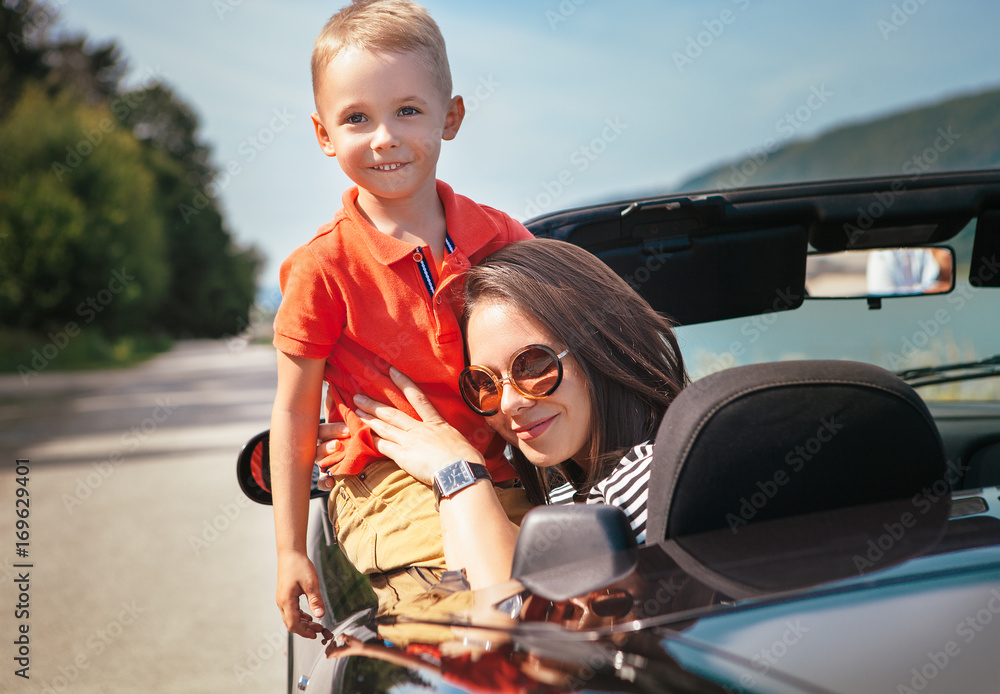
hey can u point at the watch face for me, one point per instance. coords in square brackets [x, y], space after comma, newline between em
[456, 476]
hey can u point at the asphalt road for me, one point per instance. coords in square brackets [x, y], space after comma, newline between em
[149, 571]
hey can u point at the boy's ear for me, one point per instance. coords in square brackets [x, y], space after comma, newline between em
[453, 118]
[322, 136]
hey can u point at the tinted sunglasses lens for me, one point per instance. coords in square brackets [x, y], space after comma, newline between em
[480, 390]
[536, 372]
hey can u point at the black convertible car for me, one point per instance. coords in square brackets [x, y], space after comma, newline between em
[825, 502]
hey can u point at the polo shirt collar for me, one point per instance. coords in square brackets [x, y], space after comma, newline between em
[474, 228]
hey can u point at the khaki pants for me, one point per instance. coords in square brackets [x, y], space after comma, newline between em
[387, 526]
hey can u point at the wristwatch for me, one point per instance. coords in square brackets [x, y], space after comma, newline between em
[457, 476]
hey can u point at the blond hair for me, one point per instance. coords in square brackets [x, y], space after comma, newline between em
[399, 26]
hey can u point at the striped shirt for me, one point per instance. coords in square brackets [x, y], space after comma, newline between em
[627, 487]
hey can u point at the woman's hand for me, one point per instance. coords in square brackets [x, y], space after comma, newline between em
[422, 446]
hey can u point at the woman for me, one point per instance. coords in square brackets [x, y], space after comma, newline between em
[575, 371]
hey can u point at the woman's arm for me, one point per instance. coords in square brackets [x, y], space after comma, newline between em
[476, 532]
[294, 424]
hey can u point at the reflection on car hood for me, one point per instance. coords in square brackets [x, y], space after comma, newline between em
[778, 606]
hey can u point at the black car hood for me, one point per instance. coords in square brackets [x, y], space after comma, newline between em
[702, 606]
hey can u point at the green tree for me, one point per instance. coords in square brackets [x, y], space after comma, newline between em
[156, 115]
[20, 58]
[212, 282]
[79, 242]
[103, 215]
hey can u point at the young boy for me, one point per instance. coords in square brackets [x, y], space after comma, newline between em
[372, 289]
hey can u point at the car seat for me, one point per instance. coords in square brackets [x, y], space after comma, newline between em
[766, 441]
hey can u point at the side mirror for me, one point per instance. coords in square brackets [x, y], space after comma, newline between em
[566, 551]
[880, 272]
[253, 470]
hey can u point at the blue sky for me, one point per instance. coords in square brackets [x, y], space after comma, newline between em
[569, 101]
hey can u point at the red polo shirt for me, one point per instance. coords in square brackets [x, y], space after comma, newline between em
[365, 301]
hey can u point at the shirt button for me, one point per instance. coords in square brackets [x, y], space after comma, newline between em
[417, 256]
[362, 476]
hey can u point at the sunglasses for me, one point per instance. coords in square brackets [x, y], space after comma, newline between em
[535, 372]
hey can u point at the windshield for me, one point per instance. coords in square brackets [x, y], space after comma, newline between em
[905, 333]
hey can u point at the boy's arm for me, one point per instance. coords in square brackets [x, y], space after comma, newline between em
[294, 424]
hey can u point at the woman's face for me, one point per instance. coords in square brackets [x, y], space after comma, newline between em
[547, 431]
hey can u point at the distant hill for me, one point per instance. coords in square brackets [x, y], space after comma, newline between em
[959, 133]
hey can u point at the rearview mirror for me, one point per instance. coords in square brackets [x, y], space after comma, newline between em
[882, 272]
[253, 470]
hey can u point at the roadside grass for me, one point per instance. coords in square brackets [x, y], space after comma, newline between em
[29, 353]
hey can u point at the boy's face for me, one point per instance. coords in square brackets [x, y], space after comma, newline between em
[383, 117]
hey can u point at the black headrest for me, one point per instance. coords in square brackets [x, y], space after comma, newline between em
[766, 441]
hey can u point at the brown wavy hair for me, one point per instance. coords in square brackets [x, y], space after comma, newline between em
[627, 352]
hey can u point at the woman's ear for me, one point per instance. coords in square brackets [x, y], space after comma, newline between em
[453, 118]
[322, 136]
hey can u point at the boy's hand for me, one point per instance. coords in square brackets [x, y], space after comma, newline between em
[297, 577]
[330, 441]
[330, 436]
